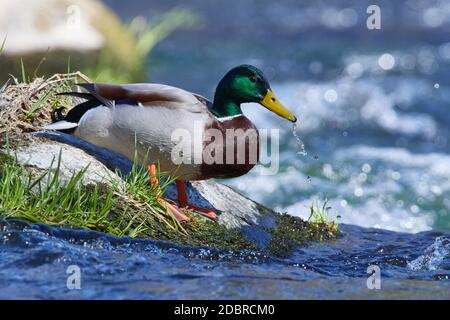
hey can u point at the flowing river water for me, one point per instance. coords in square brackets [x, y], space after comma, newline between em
[373, 109]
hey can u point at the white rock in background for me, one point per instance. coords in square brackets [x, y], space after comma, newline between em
[47, 35]
[37, 25]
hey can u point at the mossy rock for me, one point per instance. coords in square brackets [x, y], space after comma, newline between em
[242, 225]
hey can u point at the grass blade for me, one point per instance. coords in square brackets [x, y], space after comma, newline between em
[39, 103]
[24, 75]
[3, 44]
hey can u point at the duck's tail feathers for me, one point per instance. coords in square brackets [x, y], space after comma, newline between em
[90, 87]
[83, 95]
[62, 125]
[69, 122]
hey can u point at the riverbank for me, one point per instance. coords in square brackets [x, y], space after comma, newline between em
[63, 181]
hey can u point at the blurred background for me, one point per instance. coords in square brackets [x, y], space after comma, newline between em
[373, 105]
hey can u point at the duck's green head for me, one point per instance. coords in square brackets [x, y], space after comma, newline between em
[246, 84]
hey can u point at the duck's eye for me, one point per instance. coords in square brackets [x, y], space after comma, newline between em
[253, 79]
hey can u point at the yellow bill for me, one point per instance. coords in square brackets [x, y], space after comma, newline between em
[274, 105]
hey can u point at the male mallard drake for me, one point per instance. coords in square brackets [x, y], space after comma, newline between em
[180, 130]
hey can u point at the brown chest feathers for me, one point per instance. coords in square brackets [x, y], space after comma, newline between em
[230, 148]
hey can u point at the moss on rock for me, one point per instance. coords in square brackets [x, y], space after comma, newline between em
[292, 232]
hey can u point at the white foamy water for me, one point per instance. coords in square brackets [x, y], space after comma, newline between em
[358, 102]
[393, 192]
[371, 214]
[433, 256]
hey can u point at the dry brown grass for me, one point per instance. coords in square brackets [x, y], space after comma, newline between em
[24, 107]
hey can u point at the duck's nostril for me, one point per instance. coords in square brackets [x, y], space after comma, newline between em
[273, 99]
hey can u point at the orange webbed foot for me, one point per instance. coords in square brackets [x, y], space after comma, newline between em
[184, 203]
[174, 209]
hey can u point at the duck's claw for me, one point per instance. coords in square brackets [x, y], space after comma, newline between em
[206, 212]
[176, 211]
[183, 202]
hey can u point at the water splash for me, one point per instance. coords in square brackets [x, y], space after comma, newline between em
[433, 257]
[302, 150]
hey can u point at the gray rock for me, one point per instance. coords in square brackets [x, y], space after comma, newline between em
[234, 210]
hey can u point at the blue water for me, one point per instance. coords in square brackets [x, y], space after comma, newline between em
[35, 259]
[373, 113]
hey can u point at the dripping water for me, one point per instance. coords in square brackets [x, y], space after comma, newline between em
[302, 151]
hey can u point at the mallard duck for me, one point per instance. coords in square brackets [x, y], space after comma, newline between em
[176, 128]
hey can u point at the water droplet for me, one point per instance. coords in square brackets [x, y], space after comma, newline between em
[436, 85]
[386, 61]
[366, 168]
[330, 95]
[302, 150]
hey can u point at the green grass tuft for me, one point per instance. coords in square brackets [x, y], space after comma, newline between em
[48, 199]
[319, 215]
[127, 207]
